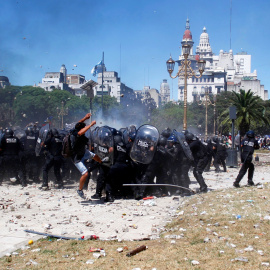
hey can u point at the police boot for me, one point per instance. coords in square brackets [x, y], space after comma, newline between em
[23, 182]
[109, 197]
[44, 186]
[236, 184]
[250, 182]
[138, 195]
[96, 196]
[60, 185]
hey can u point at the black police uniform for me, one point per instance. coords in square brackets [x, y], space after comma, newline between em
[210, 153]
[247, 145]
[53, 148]
[156, 169]
[29, 160]
[179, 165]
[220, 156]
[200, 162]
[10, 160]
[118, 171]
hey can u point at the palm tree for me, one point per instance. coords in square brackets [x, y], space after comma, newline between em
[249, 109]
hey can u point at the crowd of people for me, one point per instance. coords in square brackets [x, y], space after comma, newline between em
[127, 163]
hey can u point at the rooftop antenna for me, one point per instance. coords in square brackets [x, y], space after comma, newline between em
[231, 26]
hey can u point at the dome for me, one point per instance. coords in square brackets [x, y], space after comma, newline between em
[204, 38]
[4, 79]
[187, 34]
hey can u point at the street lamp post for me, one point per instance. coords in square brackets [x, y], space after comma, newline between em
[61, 113]
[206, 101]
[215, 101]
[185, 71]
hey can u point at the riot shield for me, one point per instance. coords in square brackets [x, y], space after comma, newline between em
[43, 133]
[105, 144]
[19, 133]
[182, 140]
[145, 144]
[88, 135]
[94, 140]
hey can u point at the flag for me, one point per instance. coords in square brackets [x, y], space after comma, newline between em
[97, 69]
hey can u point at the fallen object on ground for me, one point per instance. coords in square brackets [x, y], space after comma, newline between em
[135, 251]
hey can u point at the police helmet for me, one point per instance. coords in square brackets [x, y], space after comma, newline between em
[29, 131]
[166, 132]
[185, 131]
[215, 139]
[118, 132]
[172, 139]
[162, 141]
[189, 137]
[9, 133]
[113, 131]
[132, 128]
[118, 139]
[250, 134]
[54, 132]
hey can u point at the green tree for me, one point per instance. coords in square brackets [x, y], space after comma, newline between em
[249, 109]
[169, 115]
[30, 105]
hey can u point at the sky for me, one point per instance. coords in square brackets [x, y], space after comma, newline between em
[137, 37]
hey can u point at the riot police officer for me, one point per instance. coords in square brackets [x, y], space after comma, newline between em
[220, 155]
[53, 153]
[157, 169]
[247, 146]
[119, 170]
[10, 150]
[200, 159]
[29, 160]
[210, 153]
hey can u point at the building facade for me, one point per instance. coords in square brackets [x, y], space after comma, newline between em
[54, 80]
[223, 72]
[111, 85]
[165, 92]
[63, 81]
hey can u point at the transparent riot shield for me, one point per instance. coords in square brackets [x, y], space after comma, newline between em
[94, 140]
[145, 144]
[43, 134]
[182, 140]
[105, 144]
[19, 133]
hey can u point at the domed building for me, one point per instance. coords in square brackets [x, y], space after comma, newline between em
[4, 81]
[223, 72]
[165, 91]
